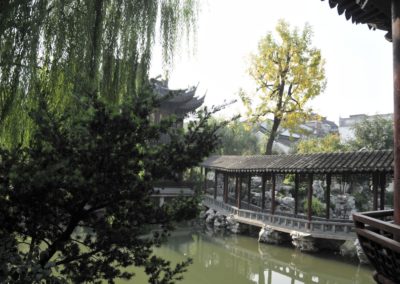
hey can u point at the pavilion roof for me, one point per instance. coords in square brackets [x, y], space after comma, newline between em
[178, 101]
[340, 162]
[375, 13]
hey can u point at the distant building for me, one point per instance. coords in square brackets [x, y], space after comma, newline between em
[346, 125]
[285, 140]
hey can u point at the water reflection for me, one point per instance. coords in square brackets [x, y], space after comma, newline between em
[234, 259]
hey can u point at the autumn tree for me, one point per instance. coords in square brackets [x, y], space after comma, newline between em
[288, 73]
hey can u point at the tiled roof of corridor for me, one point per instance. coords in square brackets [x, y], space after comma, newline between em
[344, 162]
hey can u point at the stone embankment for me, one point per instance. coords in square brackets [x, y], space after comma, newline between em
[302, 241]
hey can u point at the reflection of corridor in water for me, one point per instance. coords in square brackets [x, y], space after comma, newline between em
[235, 259]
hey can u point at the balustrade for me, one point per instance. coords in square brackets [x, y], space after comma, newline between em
[284, 221]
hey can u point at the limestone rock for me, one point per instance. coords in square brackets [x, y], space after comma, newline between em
[269, 236]
[304, 242]
[360, 253]
[232, 225]
[219, 220]
[210, 216]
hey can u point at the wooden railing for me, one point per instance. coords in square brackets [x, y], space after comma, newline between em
[336, 229]
[379, 238]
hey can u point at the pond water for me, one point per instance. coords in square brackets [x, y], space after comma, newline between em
[237, 259]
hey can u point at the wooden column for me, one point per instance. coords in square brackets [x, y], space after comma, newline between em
[396, 112]
[248, 190]
[263, 180]
[328, 195]
[273, 194]
[215, 184]
[240, 192]
[309, 198]
[375, 191]
[205, 180]
[296, 193]
[226, 177]
[382, 185]
[237, 190]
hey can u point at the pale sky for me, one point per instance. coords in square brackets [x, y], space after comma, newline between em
[358, 60]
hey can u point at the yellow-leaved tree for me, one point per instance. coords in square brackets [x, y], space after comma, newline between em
[288, 72]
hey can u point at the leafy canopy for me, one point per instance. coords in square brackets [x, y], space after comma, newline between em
[288, 73]
[76, 203]
[237, 139]
[96, 48]
[329, 143]
[373, 134]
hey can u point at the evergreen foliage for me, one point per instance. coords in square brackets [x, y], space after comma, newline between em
[79, 152]
[329, 143]
[76, 203]
[373, 134]
[237, 139]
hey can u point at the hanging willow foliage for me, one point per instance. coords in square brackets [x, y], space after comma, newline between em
[77, 49]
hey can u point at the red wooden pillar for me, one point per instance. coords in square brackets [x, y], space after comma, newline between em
[396, 112]
[237, 190]
[375, 191]
[248, 190]
[205, 180]
[239, 206]
[273, 194]
[309, 199]
[328, 195]
[296, 193]
[263, 180]
[226, 187]
[215, 184]
[382, 185]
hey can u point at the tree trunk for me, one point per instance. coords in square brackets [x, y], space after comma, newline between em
[272, 135]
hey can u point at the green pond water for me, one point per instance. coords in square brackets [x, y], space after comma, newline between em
[236, 259]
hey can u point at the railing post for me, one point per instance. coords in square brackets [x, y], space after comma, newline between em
[273, 194]
[328, 194]
[263, 180]
[309, 199]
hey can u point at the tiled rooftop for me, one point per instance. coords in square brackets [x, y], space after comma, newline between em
[346, 162]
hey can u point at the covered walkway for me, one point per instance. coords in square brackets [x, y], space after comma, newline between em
[304, 190]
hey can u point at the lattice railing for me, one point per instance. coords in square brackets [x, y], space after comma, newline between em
[379, 238]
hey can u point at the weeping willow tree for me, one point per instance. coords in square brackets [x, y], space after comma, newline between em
[78, 50]
[77, 174]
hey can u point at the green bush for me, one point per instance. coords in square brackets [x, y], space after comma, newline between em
[318, 208]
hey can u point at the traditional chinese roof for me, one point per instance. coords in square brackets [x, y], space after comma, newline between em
[375, 13]
[179, 101]
[345, 162]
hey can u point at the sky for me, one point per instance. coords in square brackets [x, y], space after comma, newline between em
[358, 60]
